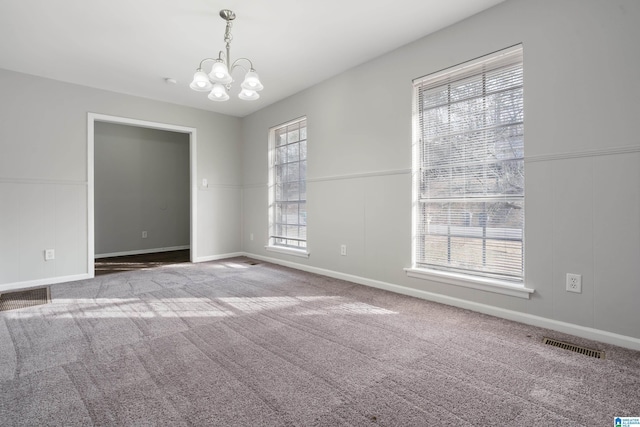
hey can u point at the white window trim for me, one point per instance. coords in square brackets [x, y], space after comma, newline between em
[288, 251]
[473, 282]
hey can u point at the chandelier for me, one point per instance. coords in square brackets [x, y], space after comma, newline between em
[218, 81]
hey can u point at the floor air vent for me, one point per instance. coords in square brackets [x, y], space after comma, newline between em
[22, 299]
[598, 354]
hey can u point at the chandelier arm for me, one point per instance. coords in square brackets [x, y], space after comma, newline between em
[236, 64]
[205, 60]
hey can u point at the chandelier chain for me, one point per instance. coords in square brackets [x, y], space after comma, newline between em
[227, 34]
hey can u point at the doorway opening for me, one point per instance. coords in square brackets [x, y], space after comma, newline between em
[178, 253]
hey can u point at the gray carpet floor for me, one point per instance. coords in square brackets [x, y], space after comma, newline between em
[228, 343]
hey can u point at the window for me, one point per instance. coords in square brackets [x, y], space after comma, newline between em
[469, 169]
[288, 186]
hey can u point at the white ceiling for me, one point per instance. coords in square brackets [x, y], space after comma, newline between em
[131, 46]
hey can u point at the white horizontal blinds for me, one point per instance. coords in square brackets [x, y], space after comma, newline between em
[471, 159]
[289, 227]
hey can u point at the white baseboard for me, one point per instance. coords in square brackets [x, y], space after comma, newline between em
[218, 257]
[529, 319]
[6, 287]
[143, 251]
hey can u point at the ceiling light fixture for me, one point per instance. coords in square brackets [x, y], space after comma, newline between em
[219, 79]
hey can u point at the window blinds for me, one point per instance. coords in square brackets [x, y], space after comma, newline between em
[470, 191]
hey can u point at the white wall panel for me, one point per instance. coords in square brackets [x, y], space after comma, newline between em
[255, 220]
[572, 238]
[539, 237]
[386, 231]
[36, 216]
[616, 242]
[9, 232]
[70, 229]
[335, 217]
[36, 202]
[219, 220]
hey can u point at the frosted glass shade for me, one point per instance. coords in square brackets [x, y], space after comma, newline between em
[220, 74]
[248, 95]
[252, 81]
[218, 93]
[201, 82]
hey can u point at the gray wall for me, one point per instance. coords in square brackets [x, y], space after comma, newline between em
[582, 99]
[43, 174]
[141, 182]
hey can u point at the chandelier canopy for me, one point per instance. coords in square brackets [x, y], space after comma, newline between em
[218, 81]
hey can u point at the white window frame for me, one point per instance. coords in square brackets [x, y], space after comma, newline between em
[273, 244]
[514, 287]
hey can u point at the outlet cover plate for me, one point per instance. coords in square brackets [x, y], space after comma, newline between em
[49, 254]
[574, 283]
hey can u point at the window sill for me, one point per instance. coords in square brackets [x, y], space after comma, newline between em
[288, 251]
[480, 283]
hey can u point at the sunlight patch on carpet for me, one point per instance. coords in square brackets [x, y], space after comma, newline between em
[331, 304]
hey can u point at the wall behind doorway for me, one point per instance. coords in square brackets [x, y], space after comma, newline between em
[141, 184]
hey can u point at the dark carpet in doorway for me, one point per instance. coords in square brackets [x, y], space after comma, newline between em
[125, 263]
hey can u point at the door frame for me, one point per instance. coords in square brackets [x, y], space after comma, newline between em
[92, 118]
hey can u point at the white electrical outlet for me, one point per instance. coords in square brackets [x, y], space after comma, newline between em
[49, 254]
[574, 283]
[251, 236]
[343, 250]
[144, 234]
